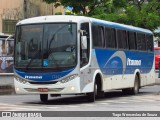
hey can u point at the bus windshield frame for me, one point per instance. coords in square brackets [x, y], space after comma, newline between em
[46, 47]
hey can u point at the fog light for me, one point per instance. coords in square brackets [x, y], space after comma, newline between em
[17, 89]
[72, 88]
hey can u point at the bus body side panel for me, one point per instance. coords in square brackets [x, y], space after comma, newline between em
[120, 67]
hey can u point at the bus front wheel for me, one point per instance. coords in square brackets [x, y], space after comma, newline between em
[44, 97]
[92, 95]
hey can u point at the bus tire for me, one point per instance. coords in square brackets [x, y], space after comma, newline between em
[44, 97]
[92, 95]
[135, 89]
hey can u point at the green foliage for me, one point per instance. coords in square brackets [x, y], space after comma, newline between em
[157, 35]
[82, 7]
[69, 13]
[132, 12]
[58, 13]
[140, 14]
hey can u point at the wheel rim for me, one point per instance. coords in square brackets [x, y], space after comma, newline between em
[136, 88]
[95, 89]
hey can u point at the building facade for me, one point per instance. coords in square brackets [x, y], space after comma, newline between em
[12, 11]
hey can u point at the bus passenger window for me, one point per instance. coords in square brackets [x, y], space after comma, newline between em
[141, 42]
[132, 40]
[149, 40]
[98, 36]
[110, 37]
[122, 39]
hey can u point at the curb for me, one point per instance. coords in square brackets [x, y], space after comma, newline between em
[6, 90]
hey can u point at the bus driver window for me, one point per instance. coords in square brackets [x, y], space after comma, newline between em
[84, 53]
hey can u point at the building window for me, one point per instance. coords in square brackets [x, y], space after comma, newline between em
[9, 26]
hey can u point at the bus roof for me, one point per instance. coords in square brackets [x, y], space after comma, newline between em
[54, 18]
[71, 18]
[120, 26]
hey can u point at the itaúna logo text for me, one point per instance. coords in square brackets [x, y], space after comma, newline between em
[131, 62]
[33, 77]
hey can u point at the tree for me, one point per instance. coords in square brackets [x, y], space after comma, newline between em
[139, 13]
[82, 7]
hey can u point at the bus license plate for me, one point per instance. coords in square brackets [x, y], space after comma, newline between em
[43, 89]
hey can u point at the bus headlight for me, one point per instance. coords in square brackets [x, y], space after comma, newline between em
[20, 80]
[69, 78]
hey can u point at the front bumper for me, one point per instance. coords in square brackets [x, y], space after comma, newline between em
[70, 87]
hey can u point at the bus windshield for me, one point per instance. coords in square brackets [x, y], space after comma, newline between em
[48, 46]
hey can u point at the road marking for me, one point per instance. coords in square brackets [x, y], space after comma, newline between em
[53, 107]
[72, 106]
[89, 105]
[105, 102]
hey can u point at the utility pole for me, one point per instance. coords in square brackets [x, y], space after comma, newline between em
[52, 8]
[25, 9]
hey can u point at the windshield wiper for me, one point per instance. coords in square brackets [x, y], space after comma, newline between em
[35, 55]
[55, 34]
[52, 39]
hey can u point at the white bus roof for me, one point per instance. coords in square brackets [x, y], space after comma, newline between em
[53, 18]
[77, 19]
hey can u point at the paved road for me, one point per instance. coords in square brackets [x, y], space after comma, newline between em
[147, 100]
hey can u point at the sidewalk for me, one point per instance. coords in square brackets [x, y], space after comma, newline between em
[6, 84]
[6, 89]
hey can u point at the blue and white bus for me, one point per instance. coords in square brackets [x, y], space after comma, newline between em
[58, 55]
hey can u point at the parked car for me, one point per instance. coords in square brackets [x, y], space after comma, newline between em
[157, 57]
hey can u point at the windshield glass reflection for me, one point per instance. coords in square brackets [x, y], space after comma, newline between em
[46, 45]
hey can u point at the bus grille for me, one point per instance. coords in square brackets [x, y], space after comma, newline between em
[49, 90]
[53, 82]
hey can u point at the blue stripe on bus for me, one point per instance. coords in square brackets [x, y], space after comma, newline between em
[43, 77]
[116, 62]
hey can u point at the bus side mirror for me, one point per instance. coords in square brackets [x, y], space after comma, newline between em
[84, 42]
